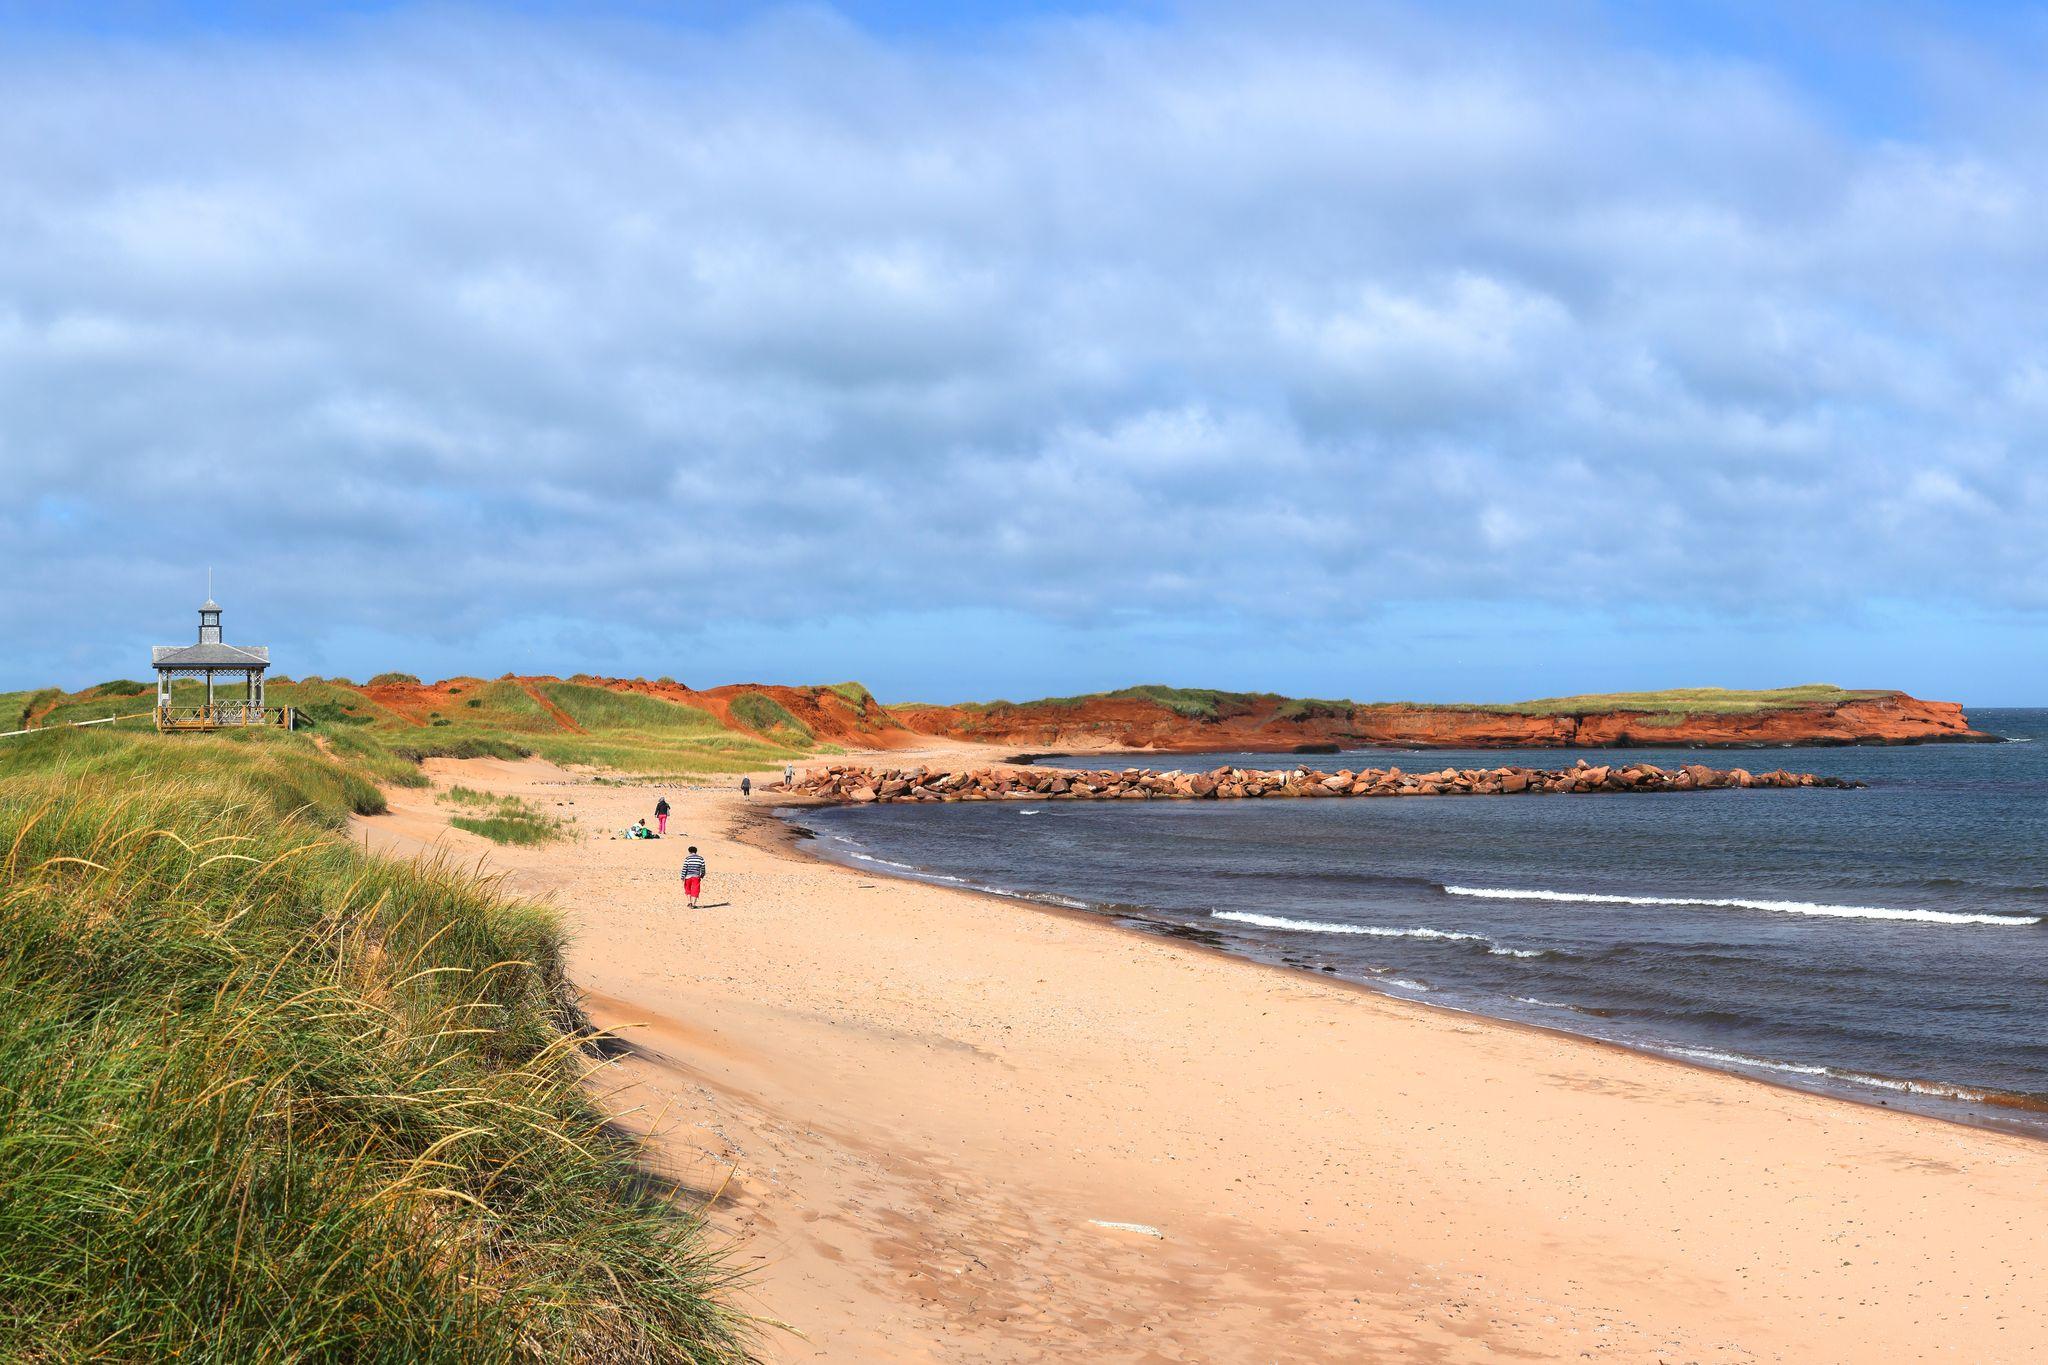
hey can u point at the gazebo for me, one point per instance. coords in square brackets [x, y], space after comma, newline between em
[214, 661]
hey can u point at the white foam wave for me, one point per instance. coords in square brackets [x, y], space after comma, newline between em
[1744, 903]
[1546, 1004]
[1309, 926]
[1930, 1088]
[1404, 983]
[920, 873]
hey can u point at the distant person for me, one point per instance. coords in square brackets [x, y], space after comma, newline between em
[693, 876]
[661, 814]
[789, 774]
[639, 830]
[747, 787]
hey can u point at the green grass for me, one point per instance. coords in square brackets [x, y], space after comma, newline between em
[1683, 701]
[599, 708]
[765, 715]
[860, 698]
[1195, 703]
[1306, 708]
[263, 1097]
[381, 679]
[275, 775]
[501, 819]
[17, 707]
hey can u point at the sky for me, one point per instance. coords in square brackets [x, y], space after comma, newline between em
[1437, 351]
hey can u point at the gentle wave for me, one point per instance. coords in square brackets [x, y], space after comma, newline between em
[1932, 1089]
[1309, 926]
[906, 867]
[1740, 903]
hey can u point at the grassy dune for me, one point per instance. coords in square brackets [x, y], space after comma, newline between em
[627, 731]
[265, 1097]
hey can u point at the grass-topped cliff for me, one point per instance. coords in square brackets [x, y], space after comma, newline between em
[394, 720]
[1200, 718]
[265, 1097]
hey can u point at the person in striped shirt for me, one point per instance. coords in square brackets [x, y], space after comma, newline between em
[693, 876]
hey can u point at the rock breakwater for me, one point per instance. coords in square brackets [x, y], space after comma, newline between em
[859, 784]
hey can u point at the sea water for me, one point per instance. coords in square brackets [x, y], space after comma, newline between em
[1889, 943]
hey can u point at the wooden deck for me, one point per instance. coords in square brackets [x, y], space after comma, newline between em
[223, 716]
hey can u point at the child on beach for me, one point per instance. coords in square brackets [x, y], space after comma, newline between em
[693, 876]
[661, 814]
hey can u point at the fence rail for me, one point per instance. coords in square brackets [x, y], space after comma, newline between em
[74, 724]
[220, 715]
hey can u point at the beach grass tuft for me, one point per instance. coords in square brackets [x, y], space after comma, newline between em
[263, 1096]
[501, 819]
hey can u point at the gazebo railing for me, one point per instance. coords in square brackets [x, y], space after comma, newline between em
[220, 714]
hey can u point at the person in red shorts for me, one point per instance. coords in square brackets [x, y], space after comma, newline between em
[693, 876]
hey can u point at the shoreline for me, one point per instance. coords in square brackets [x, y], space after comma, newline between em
[794, 845]
[948, 1130]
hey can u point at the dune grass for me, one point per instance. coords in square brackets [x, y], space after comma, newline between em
[600, 708]
[855, 694]
[263, 1097]
[17, 707]
[501, 819]
[764, 715]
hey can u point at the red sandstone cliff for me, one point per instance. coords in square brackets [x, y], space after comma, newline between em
[1274, 724]
[1218, 721]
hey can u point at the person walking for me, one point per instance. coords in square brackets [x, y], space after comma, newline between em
[661, 815]
[747, 787]
[789, 774]
[693, 876]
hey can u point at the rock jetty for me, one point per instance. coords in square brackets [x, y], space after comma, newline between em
[858, 784]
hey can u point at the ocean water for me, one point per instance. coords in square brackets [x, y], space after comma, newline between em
[1889, 943]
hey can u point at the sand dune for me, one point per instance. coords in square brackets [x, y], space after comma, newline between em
[951, 1127]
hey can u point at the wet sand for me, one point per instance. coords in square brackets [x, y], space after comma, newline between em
[953, 1127]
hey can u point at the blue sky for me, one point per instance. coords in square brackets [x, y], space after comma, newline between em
[1436, 351]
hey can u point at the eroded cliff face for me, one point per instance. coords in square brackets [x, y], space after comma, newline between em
[848, 716]
[1129, 723]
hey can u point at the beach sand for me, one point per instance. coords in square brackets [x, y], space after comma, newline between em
[951, 1127]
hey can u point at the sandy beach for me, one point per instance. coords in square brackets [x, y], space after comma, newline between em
[950, 1127]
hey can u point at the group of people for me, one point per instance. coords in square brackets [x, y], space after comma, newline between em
[694, 870]
[693, 862]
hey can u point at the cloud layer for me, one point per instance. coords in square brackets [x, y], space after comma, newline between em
[520, 337]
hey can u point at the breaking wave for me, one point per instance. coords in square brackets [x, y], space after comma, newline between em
[1309, 926]
[1742, 903]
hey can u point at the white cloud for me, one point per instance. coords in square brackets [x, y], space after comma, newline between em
[436, 324]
